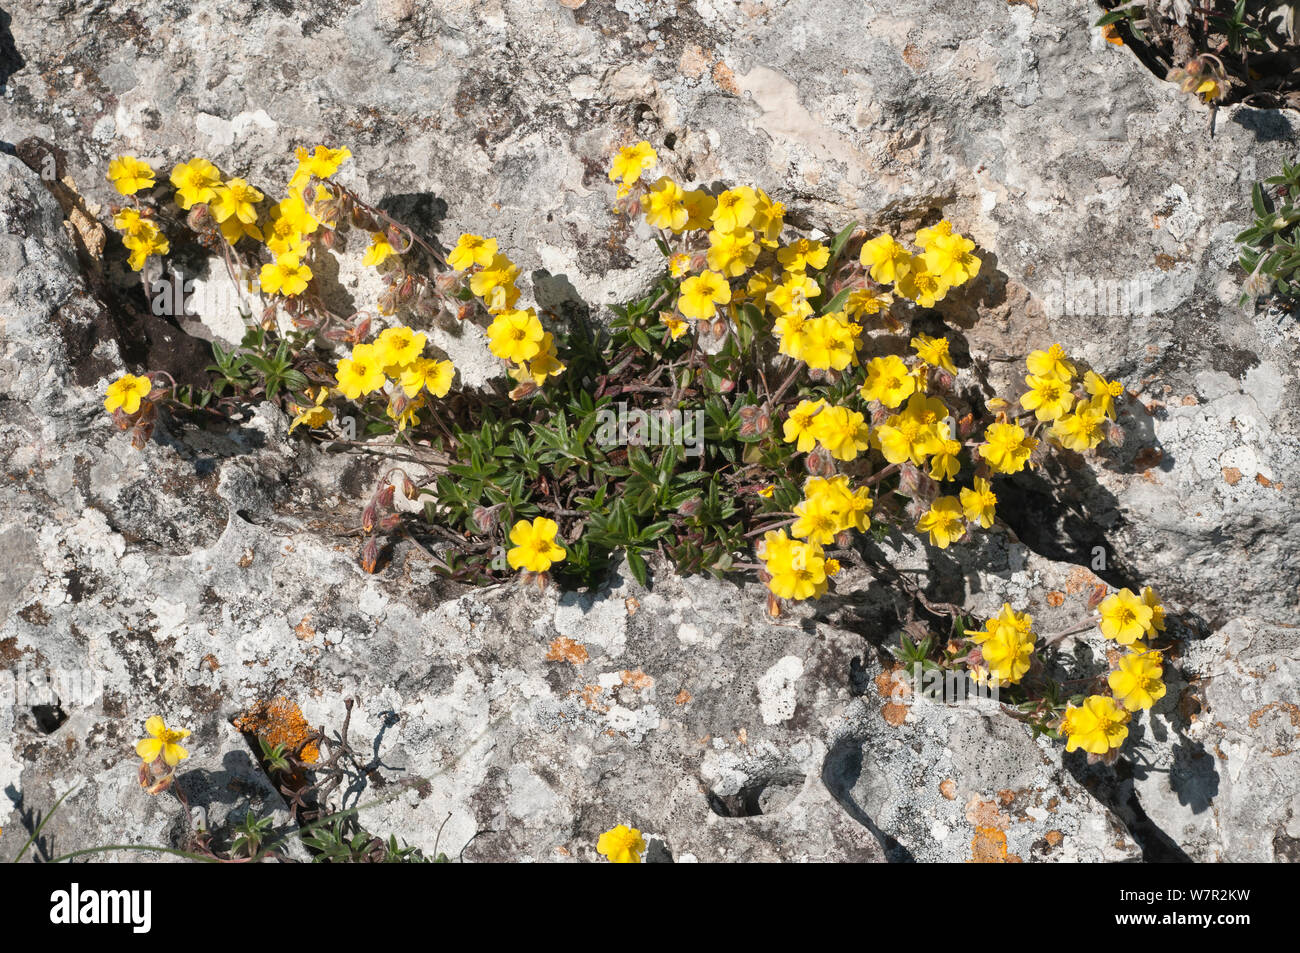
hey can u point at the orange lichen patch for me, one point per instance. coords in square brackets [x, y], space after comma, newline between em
[564, 649]
[725, 78]
[982, 813]
[632, 605]
[1053, 804]
[246, 560]
[1231, 475]
[693, 61]
[279, 722]
[1055, 599]
[562, 851]
[948, 788]
[989, 846]
[894, 688]
[638, 679]
[1078, 580]
[1054, 838]
[1265, 481]
[682, 697]
[211, 662]
[1288, 709]
[303, 630]
[589, 695]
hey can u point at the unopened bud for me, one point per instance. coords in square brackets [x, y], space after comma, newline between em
[327, 237]
[485, 518]
[409, 489]
[690, 507]
[200, 218]
[407, 288]
[465, 312]
[385, 496]
[370, 555]
[447, 282]
[368, 517]
[390, 522]
[820, 462]
[387, 303]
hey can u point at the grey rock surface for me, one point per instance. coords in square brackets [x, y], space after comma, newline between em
[214, 568]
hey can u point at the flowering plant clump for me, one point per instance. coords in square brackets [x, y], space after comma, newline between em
[772, 397]
[1007, 655]
[820, 415]
[1220, 50]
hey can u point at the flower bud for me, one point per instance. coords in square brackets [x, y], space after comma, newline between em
[200, 218]
[447, 282]
[485, 519]
[390, 522]
[465, 312]
[370, 555]
[690, 507]
[409, 489]
[327, 237]
[368, 517]
[385, 496]
[407, 288]
[820, 462]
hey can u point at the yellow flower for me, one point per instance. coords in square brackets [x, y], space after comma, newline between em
[1103, 392]
[515, 336]
[407, 415]
[944, 465]
[800, 427]
[232, 230]
[769, 219]
[816, 520]
[864, 303]
[665, 205]
[1097, 726]
[792, 295]
[1125, 617]
[1050, 363]
[1081, 430]
[1006, 447]
[829, 342]
[731, 253]
[943, 521]
[143, 239]
[803, 254]
[843, 432]
[922, 285]
[887, 260]
[472, 250]
[397, 347]
[535, 548]
[701, 295]
[978, 502]
[679, 264]
[888, 381]
[622, 845]
[700, 206]
[236, 200]
[912, 435]
[676, 326]
[631, 162]
[545, 364]
[196, 181]
[495, 283]
[322, 163]
[949, 258]
[290, 223]
[126, 392]
[1006, 644]
[1048, 397]
[767, 491]
[129, 175]
[380, 250]
[287, 275]
[314, 416]
[1150, 598]
[428, 374]
[1138, 682]
[734, 209]
[1209, 90]
[797, 569]
[934, 351]
[360, 373]
[162, 741]
[925, 237]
